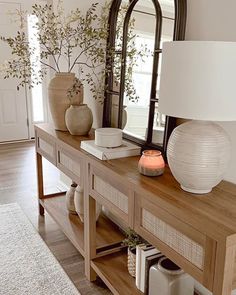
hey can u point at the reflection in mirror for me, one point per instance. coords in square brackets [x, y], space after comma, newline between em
[138, 29]
[139, 66]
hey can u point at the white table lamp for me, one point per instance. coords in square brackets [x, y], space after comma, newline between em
[198, 82]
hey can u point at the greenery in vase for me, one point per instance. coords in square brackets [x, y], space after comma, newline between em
[77, 40]
[132, 240]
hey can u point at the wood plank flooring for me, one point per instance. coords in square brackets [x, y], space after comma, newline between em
[18, 184]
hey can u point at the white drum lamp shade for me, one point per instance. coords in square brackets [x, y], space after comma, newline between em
[198, 82]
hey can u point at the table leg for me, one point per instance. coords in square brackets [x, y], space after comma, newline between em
[39, 165]
[224, 270]
[89, 229]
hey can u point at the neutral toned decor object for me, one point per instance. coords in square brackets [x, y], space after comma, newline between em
[127, 149]
[151, 163]
[197, 83]
[26, 264]
[114, 116]
[79, 119]
[132, 240]
[70, 195]
[58, 98]
[108, 137]
[79, 204]
[131, 263]
[169, 279]
[196, 233]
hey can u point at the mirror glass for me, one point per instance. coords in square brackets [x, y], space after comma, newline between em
[139, 66]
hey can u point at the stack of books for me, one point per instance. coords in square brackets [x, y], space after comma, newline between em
[127, 149]
[146, 256]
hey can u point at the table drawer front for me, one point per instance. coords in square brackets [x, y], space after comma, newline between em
[69, 163]
[112, 194]
[183, 245]
[186, 246]
[46, 147]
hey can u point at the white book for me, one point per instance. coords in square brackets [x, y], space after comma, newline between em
[138, 263]
[145, 253]
[127, 149]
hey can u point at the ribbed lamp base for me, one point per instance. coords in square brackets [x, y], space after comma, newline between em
[198, 153]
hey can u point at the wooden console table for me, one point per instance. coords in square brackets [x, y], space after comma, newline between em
[197, 232]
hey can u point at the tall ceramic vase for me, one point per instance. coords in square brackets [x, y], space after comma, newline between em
[59, 100]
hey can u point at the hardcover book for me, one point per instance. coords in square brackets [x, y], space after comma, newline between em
[144, 254]
[127, 149]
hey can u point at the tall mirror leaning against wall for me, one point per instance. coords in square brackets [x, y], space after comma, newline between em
[137, 29]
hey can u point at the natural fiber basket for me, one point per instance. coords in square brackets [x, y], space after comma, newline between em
[131, 263]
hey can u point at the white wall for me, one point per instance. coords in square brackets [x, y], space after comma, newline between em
[215, 20]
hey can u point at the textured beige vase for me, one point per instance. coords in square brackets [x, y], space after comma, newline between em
[70, 204]
[58, 98]
[79, 119]
[79, 204]
[114, 117]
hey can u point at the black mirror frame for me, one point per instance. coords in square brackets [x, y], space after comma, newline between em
[179, 34]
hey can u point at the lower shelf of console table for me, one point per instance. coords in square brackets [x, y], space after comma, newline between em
[107, 232]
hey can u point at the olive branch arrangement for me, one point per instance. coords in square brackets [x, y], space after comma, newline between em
[77, 40]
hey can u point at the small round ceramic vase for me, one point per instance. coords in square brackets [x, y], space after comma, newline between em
[70, 204]
[79, 119]
[79, 204]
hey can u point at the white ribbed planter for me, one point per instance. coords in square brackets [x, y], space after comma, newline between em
[198, 153]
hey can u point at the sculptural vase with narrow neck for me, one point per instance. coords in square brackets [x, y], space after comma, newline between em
[58, 98]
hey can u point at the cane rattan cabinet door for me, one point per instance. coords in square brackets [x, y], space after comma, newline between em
[113, 194]
[186, 246]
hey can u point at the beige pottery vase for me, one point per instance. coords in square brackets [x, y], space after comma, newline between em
[114, 117]
[79, 119]
[79, 204]
[70, 204]
[58, 98]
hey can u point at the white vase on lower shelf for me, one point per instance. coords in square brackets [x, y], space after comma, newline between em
[70, 204]
[79, 204]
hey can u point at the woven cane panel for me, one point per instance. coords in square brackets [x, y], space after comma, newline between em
[46, 147]
[186, 247]
[68, 163]
[111, 194]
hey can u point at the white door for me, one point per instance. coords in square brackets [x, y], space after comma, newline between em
[13, 103]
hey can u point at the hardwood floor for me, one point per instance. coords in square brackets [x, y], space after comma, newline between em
[18, 184]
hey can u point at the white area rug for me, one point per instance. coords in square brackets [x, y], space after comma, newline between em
[27, 267]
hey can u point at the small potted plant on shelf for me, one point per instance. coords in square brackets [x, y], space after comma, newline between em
[131, 241]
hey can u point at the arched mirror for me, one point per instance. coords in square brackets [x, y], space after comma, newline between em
[137, 29]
